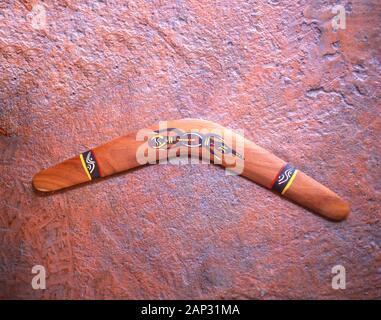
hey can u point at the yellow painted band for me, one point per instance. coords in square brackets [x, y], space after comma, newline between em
[85, 168]
[288, 185]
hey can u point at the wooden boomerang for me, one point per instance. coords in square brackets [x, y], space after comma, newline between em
[259, 165]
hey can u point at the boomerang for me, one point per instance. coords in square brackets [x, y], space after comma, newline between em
[195, 138]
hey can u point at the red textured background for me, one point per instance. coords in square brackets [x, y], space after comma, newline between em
[99, 69]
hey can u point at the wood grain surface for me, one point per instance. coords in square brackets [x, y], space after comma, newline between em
[89, 72]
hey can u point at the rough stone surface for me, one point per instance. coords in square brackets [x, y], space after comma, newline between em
[93, 70]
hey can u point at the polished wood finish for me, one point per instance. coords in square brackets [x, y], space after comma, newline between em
[259, 165]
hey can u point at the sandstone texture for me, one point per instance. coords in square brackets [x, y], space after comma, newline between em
[75, 74]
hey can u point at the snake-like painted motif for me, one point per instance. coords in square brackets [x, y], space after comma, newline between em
[173, 137]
